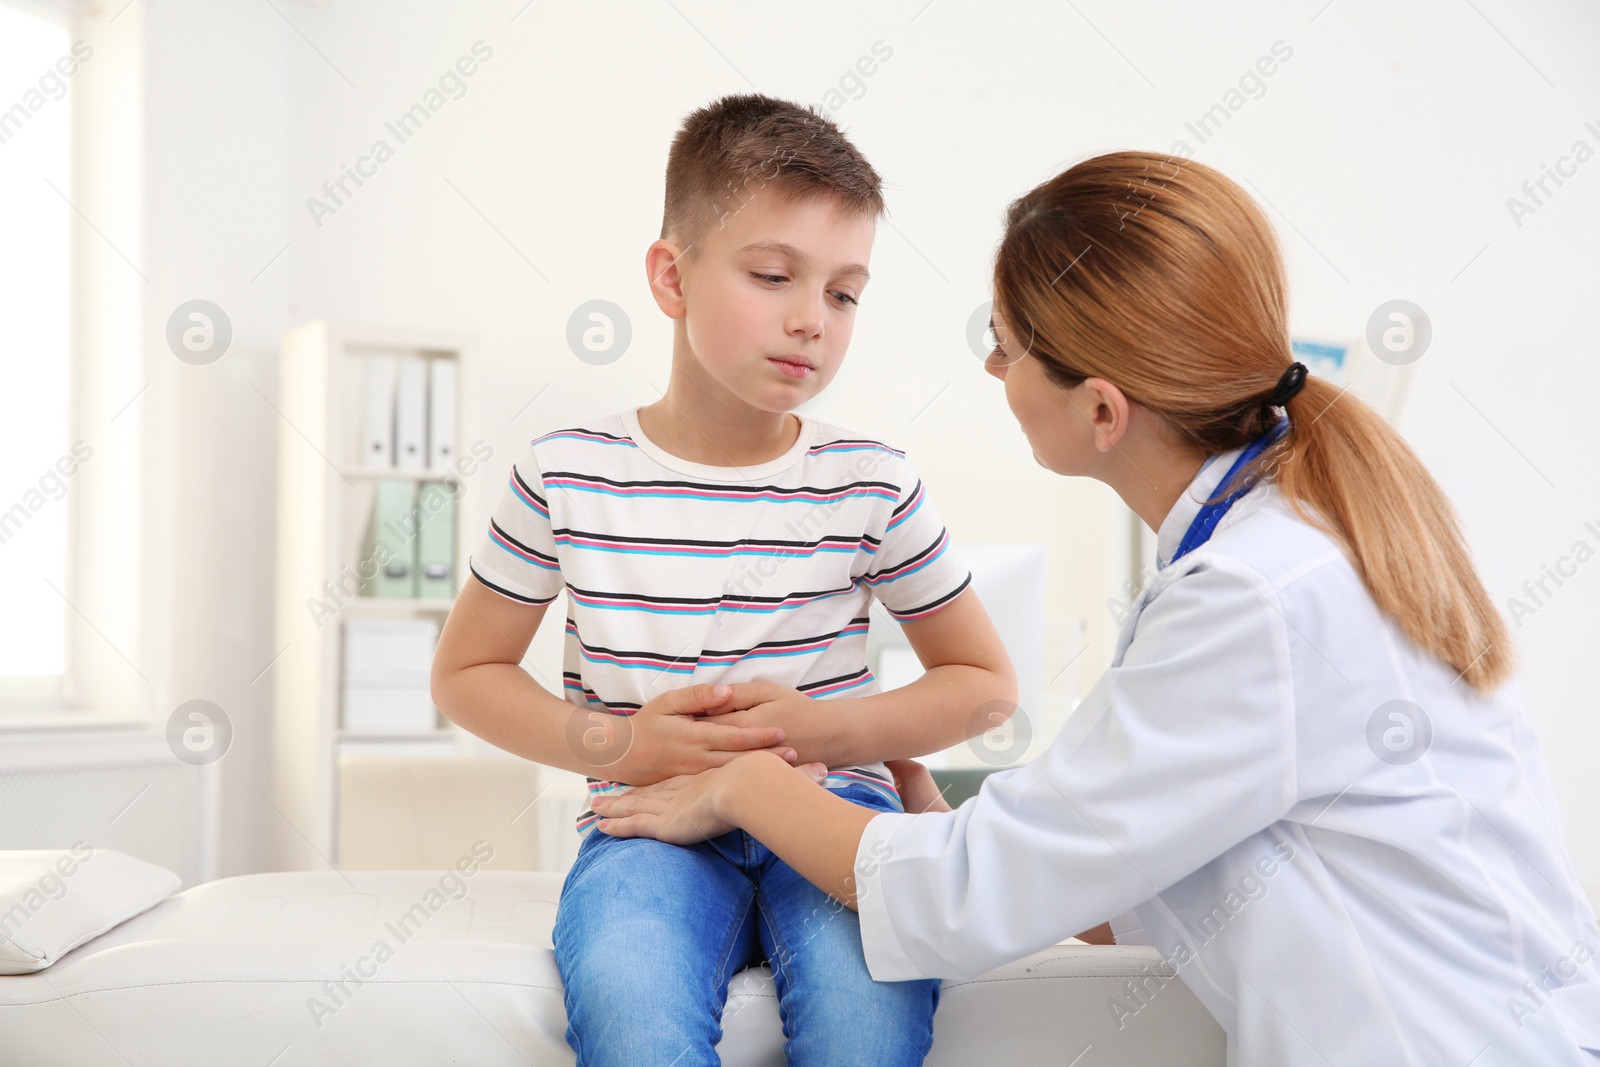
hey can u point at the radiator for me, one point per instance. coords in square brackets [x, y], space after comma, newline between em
[119, 789]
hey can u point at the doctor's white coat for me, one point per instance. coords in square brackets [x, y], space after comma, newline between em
[1347, 854]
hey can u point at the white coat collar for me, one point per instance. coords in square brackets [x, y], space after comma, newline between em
[1176, 524]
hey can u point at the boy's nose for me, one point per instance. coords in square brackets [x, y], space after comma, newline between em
[805, 318]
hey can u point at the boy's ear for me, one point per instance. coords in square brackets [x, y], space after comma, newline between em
[661, 261]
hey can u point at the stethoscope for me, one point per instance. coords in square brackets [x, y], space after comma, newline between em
[1205, 522]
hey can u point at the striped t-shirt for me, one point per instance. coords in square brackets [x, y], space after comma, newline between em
[678, 573]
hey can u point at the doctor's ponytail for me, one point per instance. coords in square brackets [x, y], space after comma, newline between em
[1162, 276]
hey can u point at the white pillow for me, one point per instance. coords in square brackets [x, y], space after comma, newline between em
[53, 900]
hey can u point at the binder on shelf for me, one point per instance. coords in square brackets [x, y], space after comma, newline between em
[436, 548]
[377, 411]
[441, 413]
[389, 549]
[411, 413]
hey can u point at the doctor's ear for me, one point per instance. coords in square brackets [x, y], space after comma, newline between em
[1107, 408]
[661, 264]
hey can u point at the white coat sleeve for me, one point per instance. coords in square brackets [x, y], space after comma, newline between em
[1187, 749]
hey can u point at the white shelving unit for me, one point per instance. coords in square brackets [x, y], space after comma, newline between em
[325, 493]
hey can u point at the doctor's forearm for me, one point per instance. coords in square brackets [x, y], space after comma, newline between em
[946, 706]
[803, 824]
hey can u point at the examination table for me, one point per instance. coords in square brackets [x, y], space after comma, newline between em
[241, 971]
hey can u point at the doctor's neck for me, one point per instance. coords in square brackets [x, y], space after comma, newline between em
[1143, 460]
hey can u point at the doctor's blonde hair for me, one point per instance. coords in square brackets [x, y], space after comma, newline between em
[1162, 276]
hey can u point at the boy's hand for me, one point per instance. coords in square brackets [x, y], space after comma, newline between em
[918, 791]
[805, 722]
[664, 738]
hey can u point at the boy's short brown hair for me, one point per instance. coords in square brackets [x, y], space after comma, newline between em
[729, 149]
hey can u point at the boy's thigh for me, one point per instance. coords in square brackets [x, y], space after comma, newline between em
[639, 907]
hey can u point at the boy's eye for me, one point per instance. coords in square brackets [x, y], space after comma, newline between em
[844, 299]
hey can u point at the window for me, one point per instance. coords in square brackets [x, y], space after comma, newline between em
[36, 458]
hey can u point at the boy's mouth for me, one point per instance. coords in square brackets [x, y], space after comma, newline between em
[793, 366]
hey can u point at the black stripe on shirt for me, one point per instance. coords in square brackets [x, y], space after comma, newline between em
[903, 564]
[846, 539]
[907, 501]
[863, 772]
[526, 488]
[506, 592]
[581, 429]
[609, 704]
[720, 487]
[933, 603]
[497, 528]
[856, 441]
[661, 658]
[712, 600]
[832, 681]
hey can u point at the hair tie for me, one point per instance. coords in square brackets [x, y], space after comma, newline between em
[1290, 384]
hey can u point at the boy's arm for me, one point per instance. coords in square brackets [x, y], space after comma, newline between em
[478, 682]
[970, 686]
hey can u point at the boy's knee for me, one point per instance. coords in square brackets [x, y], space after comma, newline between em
[860, 1021]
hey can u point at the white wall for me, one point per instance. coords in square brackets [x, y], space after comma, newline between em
[1386, 147]
[216, 209]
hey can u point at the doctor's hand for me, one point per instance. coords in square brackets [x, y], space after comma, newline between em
[807, 724]
[918, 791]
[665, 737]
[679, 811]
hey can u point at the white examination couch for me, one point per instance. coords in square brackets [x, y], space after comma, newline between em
[237, 972]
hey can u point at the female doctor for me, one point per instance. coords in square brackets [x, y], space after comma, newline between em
[1306, 778]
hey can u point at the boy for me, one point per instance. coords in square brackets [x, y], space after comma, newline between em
[714, 537]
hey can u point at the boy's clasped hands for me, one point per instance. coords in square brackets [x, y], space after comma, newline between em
[672, 738]
[699, 727]
[705, 728]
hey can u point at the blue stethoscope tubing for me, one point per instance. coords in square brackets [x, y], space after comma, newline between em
[1205, 522]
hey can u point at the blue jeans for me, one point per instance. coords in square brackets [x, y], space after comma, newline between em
[647, 936]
